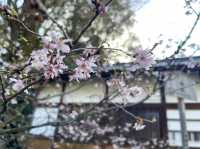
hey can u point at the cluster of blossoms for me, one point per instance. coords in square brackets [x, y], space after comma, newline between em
[105, 128]
[50, 62]
[126, 91]
[50, 59]
[142, 59]
[84, 68]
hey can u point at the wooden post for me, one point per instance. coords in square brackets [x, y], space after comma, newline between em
[163, 110]
[184, 133]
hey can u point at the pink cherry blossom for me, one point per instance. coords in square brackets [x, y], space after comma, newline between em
[39, 59]
[51, 65]
[17, 84]
[52, 36]
[144, 58]
[85, 67]
[51, 72]
[55, 68]
[54, 41]
[49, 61]
[62, 46]
[102, 10]
[48, 43]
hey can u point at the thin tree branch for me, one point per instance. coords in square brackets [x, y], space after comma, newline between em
[3, 89]
[180, 46]
[22, 90]
[58, 123]
[28, 29]
[44, 9]
[89, 24]
[189, 5]
[131, 114]
[98, 48]
[85, 29]
[63, 123]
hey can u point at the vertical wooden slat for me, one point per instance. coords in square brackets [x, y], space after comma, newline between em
[163, 110]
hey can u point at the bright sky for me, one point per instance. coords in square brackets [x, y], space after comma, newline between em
[166, 17]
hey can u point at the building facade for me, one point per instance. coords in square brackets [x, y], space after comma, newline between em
[161, 106]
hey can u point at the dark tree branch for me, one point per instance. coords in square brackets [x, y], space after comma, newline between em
[89, 24]
[22, 90]
[3, 89]
[28, 29]
[85, 28]
[44, 10]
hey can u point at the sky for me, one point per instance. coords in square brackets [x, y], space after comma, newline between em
[160, 17]
[166, 17]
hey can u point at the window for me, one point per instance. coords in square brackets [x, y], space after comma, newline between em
[194, 136]
[42, 116]
[172, 135]
[191, 136]
[174, 138]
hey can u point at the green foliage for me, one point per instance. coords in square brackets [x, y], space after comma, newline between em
[73, 15]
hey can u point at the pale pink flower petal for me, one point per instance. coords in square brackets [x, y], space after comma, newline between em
[17, 84]
[85, 67]
[64, 48]
[144, 58]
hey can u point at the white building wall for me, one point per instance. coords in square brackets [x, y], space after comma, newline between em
[193, 127]
[84, 92]
[195, 84]
[93, 91]
[50, 94]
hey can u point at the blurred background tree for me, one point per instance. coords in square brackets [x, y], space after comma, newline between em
[72, 15]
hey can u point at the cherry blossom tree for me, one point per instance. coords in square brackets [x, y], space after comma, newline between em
[63, 57]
